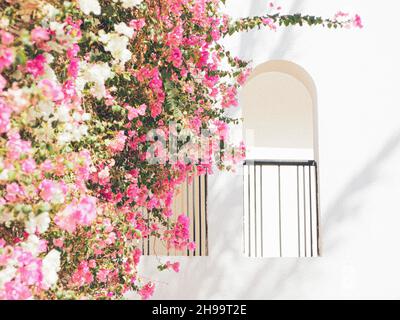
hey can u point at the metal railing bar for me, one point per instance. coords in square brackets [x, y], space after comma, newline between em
[143, 246]
[304, 213]
[200, 213]
[311, 211]
[298, 213]
[194, 217]
[249, 225]
[255, 210]
[244, 213]
[280, 212]
[206, 210]
[280, 162]
[187, 207]
[262, 224]
[318, 209]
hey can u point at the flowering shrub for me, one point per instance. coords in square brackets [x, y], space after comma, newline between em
[91, 92]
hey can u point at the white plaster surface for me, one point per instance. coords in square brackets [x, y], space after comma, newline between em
[357, 77]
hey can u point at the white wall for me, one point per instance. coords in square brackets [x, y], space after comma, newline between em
[356, 73]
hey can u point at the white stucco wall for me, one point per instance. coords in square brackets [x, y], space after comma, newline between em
[356, 73]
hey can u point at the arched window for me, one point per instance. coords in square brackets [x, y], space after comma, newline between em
[281, 211]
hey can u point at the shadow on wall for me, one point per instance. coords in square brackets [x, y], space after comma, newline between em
[286, 43]
[345, 206]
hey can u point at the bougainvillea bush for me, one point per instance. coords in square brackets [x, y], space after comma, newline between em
[106, 107]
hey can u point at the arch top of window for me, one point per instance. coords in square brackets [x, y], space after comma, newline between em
[289, 68]
[279, 105]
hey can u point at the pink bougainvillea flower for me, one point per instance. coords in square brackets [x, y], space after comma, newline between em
[243, 76]
[3, 83]
[82, 276]
[137, 24]
[102, 275]
[192, 246]
[87, 205]
[36, 65]
[40, 34]
[341, 14]
[58, 242]
[230, 97]
[16, 147]
[357, 22]
[269, 23]
[118, 143]
[6, 38]
[6, 57]
[46, 166]
[15, 290]
[147, 291]
[135, 112]
[222, 129]
[137, 253]
[51, 90]
[155, 109]
[173, 265]
[28, 165]
[5, 114]
[82, 213]
[14, 192]
[73, 68]
[53, 191]
[175, 57]
[72, 52]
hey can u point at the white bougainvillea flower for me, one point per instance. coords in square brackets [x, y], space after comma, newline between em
[117, 45]
[123, 29]
[51, 11]
[50, 268]
[127, 4]
[75, 133]
[33, 244]
[88, 6]
[7, 274]
[38, 223]
[96, 73]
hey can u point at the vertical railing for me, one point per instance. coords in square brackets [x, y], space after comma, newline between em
[281, 209]
[191, 199]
